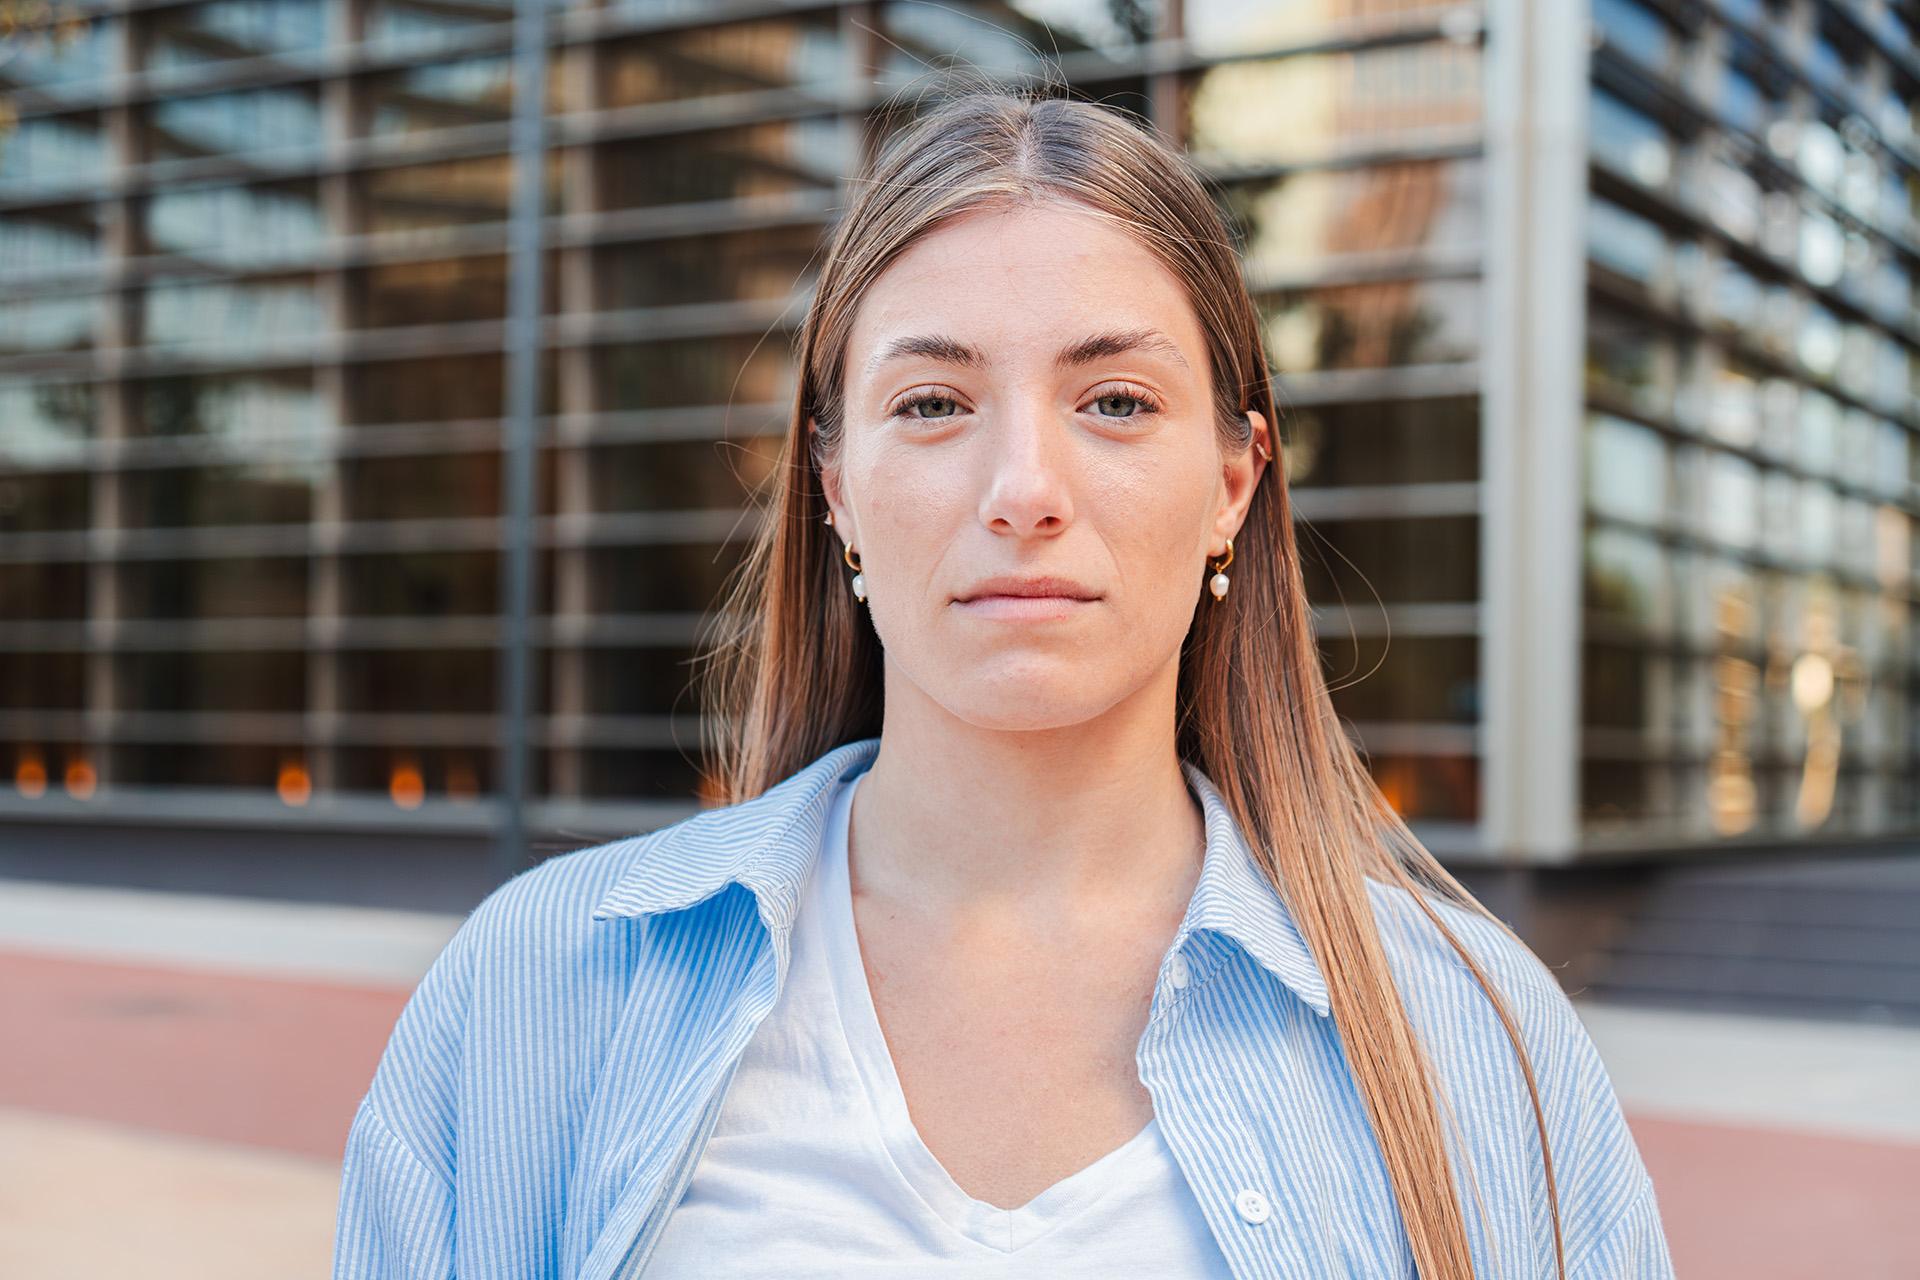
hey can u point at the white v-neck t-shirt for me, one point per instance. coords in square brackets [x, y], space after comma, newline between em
[815, 1169]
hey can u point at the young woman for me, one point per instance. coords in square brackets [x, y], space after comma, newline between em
[1054, 928]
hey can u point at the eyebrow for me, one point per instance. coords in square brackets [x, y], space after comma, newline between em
[931, 347]
[1104, 345]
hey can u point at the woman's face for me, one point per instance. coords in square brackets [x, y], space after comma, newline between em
[1030, 471]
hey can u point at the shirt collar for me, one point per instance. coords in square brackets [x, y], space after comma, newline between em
[768, 845]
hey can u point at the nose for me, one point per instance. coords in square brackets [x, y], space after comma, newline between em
[1027, 492]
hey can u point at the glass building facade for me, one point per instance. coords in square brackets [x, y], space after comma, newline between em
[255, 333]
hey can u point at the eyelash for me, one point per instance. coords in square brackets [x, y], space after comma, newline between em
[903, 408]
[1126, 391]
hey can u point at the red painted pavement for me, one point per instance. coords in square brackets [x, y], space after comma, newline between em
[1750, 1204]
[253, 1060]
[283, 1064]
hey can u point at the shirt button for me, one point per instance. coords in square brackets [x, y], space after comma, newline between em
[1179, 973]
[1253, 1207]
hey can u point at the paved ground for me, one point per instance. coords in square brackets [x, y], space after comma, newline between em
[180, 1073]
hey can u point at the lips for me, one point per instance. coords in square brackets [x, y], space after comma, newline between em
[1021, 588]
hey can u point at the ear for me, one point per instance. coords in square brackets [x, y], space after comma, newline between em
[836, 501]
[1240, 476]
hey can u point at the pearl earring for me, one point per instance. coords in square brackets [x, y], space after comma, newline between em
[1220, 582]
[859, 575]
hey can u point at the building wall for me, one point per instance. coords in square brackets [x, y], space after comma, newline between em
[253, 305]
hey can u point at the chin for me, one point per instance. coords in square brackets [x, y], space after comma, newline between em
[1034, 697]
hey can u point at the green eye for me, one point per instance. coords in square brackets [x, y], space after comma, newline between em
[1117, 406]
[934, 407]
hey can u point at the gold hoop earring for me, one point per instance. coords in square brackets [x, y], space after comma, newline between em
[859, 574]
[1220, 582]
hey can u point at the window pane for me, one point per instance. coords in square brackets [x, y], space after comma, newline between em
[47, 322]
[1410, 678]
[746, 369]
[178, 496]
[76, 51]
[245, 681]
[1370, 326]
[43, 592]
[201, 33]
[52, 152]
[1628, 141]
[640, 682]
[43, 681]
[45, 424]
[1627, 581]
[237, 224]
[641, 775]
[740, 57]
[279, 406]
[49, 239]
[233, 588]
[671, 579]
[767, 263]
[1289, 110]
[240, 316]
[44, 501]
[201, 764]
[1636, 31]
[682, 474]
[422, 583]
[433, 389]
[1293, 223]
[444, 95]
[1625, 242]
[1439, 788]
[1383, 442]
[402, 680]
[254, 120]
[436, 486]
[445, 291]
[419, 25]
[452, 193]
[1628, 470]
[779, 157]
[1399, 561]
[1219, 27]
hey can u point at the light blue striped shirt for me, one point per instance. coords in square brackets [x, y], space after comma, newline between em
[551, 1085]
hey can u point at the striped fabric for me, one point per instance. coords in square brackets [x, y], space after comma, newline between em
[551, 1085]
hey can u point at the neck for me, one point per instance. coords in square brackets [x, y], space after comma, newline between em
[957, 813]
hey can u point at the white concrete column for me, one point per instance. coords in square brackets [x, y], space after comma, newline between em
[1536, 106]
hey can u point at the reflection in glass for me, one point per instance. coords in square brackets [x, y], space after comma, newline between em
[177, 496]
[1613, 692]
[1382, 442]
[235, 407]
[1629, 360]
[273, 587]
[437, 486]
[451, 193]
[779, 157]
[444, 95]
[45, 423]
[802, 51]
[764, 263]
[432, 389]
[1627, 471]
[419, 25]
[194, 34]
[399, 681]
[747, 369]
[243, 315]
[51, 152]
[1354, 562]
[43, 681]
[1630, 142]
[210, 681]
[1225, 27]
[1439, 788]
[1368, 326]
[441, 291]
[682, 475]
[668, 579]
[923, 35]
[48, 239]
[1636, 31]
[1294, 223]
[47, 322]
[422, 583]
[1626, 243]
[38, 501]
[1626, 580]
[1289, 110]
[1730, 510]
[1406, 679]
[252, 120]
[77, 51]
[43, 591]
[236, 224]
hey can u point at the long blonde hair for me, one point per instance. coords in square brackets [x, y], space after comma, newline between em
[800, 672]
